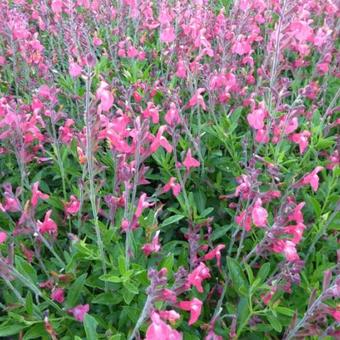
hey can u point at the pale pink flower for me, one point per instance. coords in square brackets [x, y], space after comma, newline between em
[287, 248]
[72, 207]
[200, 273]
[167, 34]
[57, 6]
[36, 194]
[194, 307]
[259, 214]
[105, 96]
[3, 236]
[75, 70]
[169, 315]
[181, 71]
[160, 140]
[79, 311]
[158, 329]
[241, 46]
[58, 295]
[151, 112]
[48, 225]
[256, 118]
[244, 220]
[190, 162]
[295, 230]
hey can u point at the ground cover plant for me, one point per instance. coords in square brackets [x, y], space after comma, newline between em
[169, 169]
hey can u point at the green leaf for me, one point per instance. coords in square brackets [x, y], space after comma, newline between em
[10, 329]
[26, 269]
[284, 311]
[29, 303]
[111, 278]
[75, 290]
[111, 298]
[263, 272]
[36, 332]
[131, 287]
[122, 265]
[236, 274]
[274, 322]
[171, 220]
[90, 325]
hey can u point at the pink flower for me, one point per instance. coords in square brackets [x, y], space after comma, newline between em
[57, 6]
[216, 252]
[169, 315]
[72, 207]
[142, 204]
[301, 139]
[168, 295]
[297, 215]
[312, 178]
[79, 311]
[151, 111]
[262, 136]
[259, 215]
[241, 46]
[200, 273]
[197, 99]
[266, 298]
[48, 226]
[3, 237]
[244, 220]
[256, 118]
[158, 329]
[75, 70]
[172, 185]
[160, 140]
[152, 247]
[296, 231]
[36, 194]
[181, 71]
[172, 116]
[190, 162]
[58, 295]
[335, 314]
[287, 248]
[105, 96]
[168, 34]
[194, 307]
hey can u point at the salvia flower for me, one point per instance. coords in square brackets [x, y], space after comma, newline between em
[58, 295]
[312, 179]
[48, 225]
[172, 185]
[79, 311]
[152, 247]
[190, 162]
[194, 307]
[36, 194]
[259, 214]
[3, 236]
[200, 273]
[215, 253]
[72, 207]
[158, 329]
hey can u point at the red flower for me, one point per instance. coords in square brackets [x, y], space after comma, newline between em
[216, 252]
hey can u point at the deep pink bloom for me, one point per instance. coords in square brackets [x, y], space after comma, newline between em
[181, 71]
[48, 225]
[158, 329]
[168, 295]
[256, 117]
[57, 6]
[241, 46]
[172, 185]
[152, 247]
[36, 194]
[266, 298]
[190, 162]
[194, 307]
[200, 273]
[72, 207]
[312, 178]
[216, 252]
[295, 230]
[3, 237]
[58, 295]
[336, 314]
[79, 311]
[259, 215]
